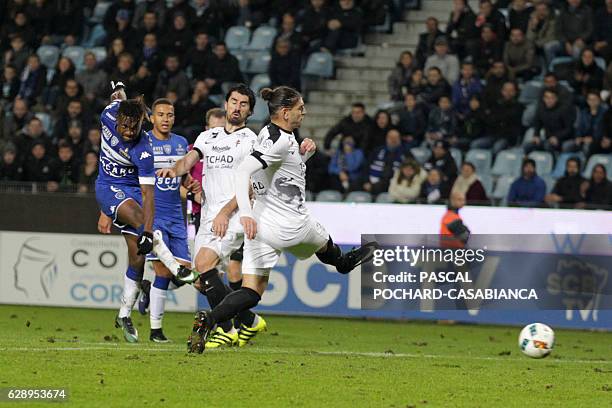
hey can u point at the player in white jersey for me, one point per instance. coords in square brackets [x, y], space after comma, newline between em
[220, 232]
[279, 220]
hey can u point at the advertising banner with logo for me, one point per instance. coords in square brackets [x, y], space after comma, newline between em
[69, 270]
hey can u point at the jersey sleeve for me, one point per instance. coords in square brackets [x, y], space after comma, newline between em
[142, 157]
[198, 145]
[271, 152]
[108, 117]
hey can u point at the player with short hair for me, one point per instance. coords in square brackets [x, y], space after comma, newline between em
[279, 220]
[124, 191]
[220, 233]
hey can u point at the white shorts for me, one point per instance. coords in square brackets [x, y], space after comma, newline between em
[261, 254]
[223, 247]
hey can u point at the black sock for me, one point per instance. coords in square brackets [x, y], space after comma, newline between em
[234, 303]
[215, 290]
[235, 285]
[245, 317]
[178, 283]
[332, 253]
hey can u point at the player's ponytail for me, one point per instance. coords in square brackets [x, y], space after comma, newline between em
[280, 97]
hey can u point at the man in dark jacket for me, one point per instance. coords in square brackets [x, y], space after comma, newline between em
[574, 27]
[383, 163]
[566, 191]
[11, 168]
[67, 167]
[425, 47]
[284, 68]
[314, 24]
[33, 80]
[529, 189]
[39, 167]
[503, 121]
[442, 160]
[358, 125]
[555, 121]
[462, 22]
[172, 79]
[178, 38]
[199, 55]
[344, 27]
[222, 67]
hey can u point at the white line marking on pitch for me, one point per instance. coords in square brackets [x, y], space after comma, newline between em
[263, 350]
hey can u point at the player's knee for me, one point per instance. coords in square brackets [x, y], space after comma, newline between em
[205, 262]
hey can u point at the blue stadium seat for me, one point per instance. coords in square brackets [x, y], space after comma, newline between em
[99, 52]
[243, 61]
[76, 54]
[319, 64]
[529, 115]
[258, 63]
[508, 163]
[45, 118]
[558, 61]
[237, 38]
[48, 54]
[384, 198]
[358, 197]
[262, 39]
[544, 162]
[530, 92]
[50, 73]
[260, 113]
[601, 63]
[259, 81]
[96, 37]
[550, 182]
[481, 159]
[456, 153]
[605, 159]
[559, 170]
[99, 11]
[487, 183]
[329, 196]
[421, 154]
[502, 187]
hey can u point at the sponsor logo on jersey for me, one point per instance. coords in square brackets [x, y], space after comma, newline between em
[158, 150]
[144, 155]
[168, 183]
[220, 159]
[180, 150]
[167, 149]
[106, 132]
[114, 169]
[267, 144]
[218, 149]
[237, 142]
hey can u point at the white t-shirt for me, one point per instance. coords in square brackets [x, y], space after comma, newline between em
[222, 152]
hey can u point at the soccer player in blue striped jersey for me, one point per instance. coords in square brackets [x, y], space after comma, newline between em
[124, 191]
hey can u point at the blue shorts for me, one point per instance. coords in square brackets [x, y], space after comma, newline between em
[112, 196]
[175, 238]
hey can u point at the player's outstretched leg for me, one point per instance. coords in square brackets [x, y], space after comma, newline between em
[331, 254]
[128, 299]
[211, 286]
[181, 272]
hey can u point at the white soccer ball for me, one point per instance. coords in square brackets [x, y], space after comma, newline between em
[536, 340]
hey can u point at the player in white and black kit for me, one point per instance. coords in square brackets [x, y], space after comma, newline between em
[220, 233]
[279, 220]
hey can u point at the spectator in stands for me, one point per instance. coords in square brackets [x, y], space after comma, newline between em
[495, 78]
[67, 170]
[117, 47]
[542, 30]
[434, 189]
[119, 7]
[489, 50]
[374, 12]
[9, 85]
[358, 125]
[441, 122]
[143, 82]
[285, 65]
[435, 87]
[64, 70]
[11, 168]
[70, 92]
[447, 63]
[464, 89]
[19, 26]
[17, 119]
[150, 54]
[417, 82]
[251, 13]
[566, 98]
[173, 78]
[25, 138]
[148, 24]
[503, 121]
[74, 111]
[412, 121]
[462, 28]
[378, 132]
[566, 191]
[554, 121]
[93, 81]
[597, 192]
[473, 124]
[604, 145]
[288, 32]
[88, 173]
[574, 27]
[208, 18]
[343, 27]
[92, 144]
[425, 47]
[122, 28]
[74, 138]
[64, 17]
[519, 57]
[196, 110]
[149, 14]
[519, 15]
[41, 15]
[529, 189]
[399, 79]
[345, 167]
[314, 24]
[490, 15]
[602, 32]
[180, 7]
[468, 184]
[222, 67]
[33, 80]
[590, 125]
[587, 74]
[179, 38]
[405, 185]
[18, 53]
[442, 160]
[317, 178]
[39, 166]
[198, 55]
[383, 163]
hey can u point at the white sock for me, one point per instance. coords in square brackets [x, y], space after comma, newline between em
[128, 297]
[164, 254]
[156, 307]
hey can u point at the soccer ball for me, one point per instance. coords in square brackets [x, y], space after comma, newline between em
[536, 340]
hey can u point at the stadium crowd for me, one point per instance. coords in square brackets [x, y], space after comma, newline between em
[465, 87]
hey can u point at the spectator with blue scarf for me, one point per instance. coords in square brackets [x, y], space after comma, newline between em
[383, 163]
[345, 166]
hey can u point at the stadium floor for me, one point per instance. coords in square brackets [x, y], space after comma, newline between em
[299, 362]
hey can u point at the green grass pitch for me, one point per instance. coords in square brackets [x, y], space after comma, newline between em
[299, 362]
